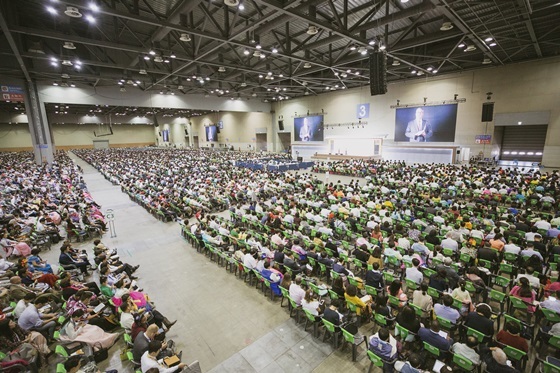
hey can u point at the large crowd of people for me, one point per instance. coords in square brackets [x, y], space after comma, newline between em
[456, 259]
[79, 306]
[452, 264]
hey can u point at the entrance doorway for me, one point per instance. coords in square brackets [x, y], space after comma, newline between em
[261, 141]
[285, 141]
[524, 143]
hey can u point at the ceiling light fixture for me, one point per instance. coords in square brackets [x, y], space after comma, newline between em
[67, 63]
[307, 65]
[372, 42]
[446, 26]
[90, 18]
[258, 46]
[185, 37]
[492, 44]
[147, 58]
[152, 53]
[312, 30]
[488, 39]
[94, 7]
[158, 59]
[353, 47]
[172, 55]
[246, 51]
[143, 72]
[470, 48]
[486, 61]
[68, 45]
[362, 50]
[262, 56]
[222, 69]
[434, 71]
[51, 10]
[274, 50]
[241, 7]
[72, 12]
[396, 63]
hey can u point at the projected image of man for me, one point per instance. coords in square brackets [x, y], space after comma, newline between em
[419, 129]
[305, 132]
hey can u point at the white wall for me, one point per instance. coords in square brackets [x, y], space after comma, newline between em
[239, 129]
[516, 88]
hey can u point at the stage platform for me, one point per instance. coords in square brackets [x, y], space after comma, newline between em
[342, 157]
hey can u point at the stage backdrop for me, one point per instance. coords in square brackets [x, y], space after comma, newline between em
[426, 123]
[308, 129]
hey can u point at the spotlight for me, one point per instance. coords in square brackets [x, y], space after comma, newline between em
[152, 53]
[90, 18]
[241, 7]
[51, 10]
[246, 52]
[274, 50]
[172, 55]
[93, 7]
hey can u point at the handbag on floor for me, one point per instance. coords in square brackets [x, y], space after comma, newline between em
[194, 367]
[100, 353]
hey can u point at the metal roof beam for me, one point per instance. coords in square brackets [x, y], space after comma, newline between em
[529, 24]
[13, 46]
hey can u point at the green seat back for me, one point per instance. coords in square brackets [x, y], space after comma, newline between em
[394, 301]
[517, 303]
[551, 315]
[349, 337]
[309, 315]
[380, 319]
[514, 353]
[60, 368]
[501, 281]
[433, 292]
[371, 291]
[496, 295]
[465, 258]
[485, 263]
[333, 295]
[376, 360]
[329, 325]
[61, 351]
[505, 267]
[478, 335]
[388, 277]
[554, 341]
[403, 332]
[411, 284]
[334, 275]
[353, 281]
[469, 286]
[431, 349]
[445, 323]
[463, 362]
[417, 309]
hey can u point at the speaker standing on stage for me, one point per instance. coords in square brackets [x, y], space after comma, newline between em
[419, 130]
[305, 131]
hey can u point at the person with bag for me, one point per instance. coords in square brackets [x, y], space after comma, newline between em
[149, 360]
[78, 330]
[23, 345]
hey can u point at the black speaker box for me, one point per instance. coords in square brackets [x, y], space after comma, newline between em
[300, 159]
[378, 73]
[186, 132]
[488, 112]
[281, 125]
[217, 128]
[156, 124]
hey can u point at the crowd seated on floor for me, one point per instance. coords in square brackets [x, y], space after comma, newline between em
[51, 310]
[454, 264]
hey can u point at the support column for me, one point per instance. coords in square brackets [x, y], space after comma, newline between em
[41, 135]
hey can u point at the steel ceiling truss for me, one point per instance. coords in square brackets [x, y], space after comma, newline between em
[305, 63]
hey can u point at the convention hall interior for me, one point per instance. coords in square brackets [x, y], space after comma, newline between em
[279, 186]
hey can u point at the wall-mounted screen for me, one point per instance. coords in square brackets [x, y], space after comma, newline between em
[426, 123]
[165, 135]
[308, 128]
[211, 133]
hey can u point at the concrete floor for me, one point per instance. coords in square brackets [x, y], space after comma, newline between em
[225, 324]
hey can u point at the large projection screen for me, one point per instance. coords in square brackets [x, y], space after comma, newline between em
[308, 129]
[426, 123]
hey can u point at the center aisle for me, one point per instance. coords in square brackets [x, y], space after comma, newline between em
[217, 314]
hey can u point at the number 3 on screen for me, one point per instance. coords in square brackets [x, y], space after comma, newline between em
[363, 111]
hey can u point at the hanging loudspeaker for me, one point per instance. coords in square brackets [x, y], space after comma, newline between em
[488, 112]
[378, 73]
[186, 132]
[281, 125]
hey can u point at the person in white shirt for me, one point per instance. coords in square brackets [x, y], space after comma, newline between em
[250, 260]
[149, 359]
[296, 291]
[22, 304]
[512, 248]
[467, 350]
[413, 273]
[449, 243]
